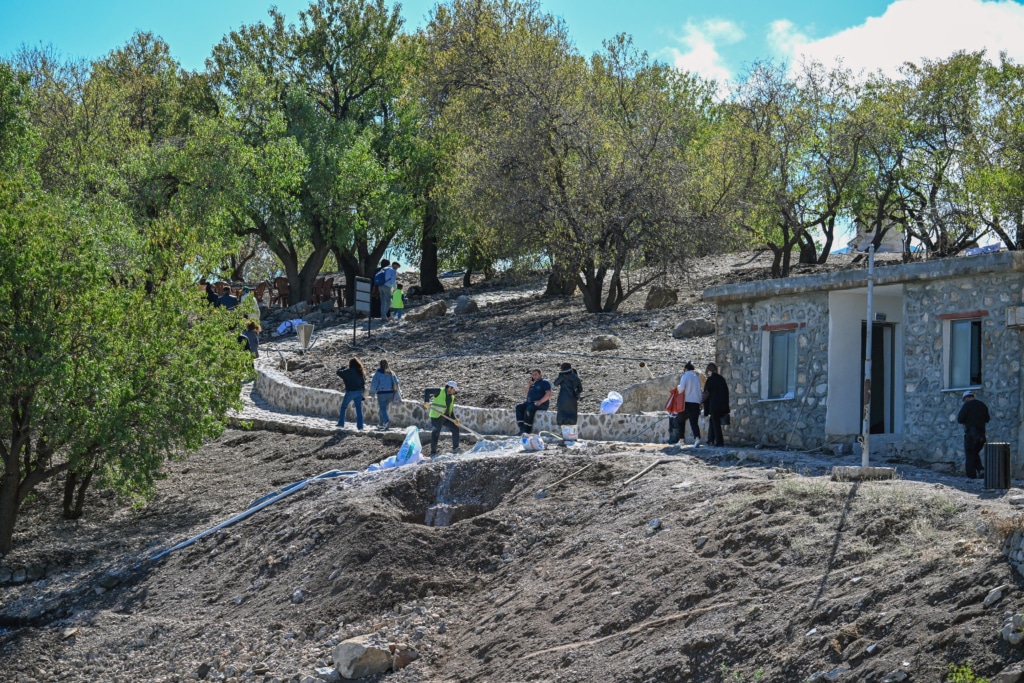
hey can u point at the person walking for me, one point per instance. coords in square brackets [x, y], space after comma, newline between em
[689, 387]
[442, 414]
[250, 337]
[384, 386]
[387, 287]
[716, 404]
[354, 378]
[973, 416]
[538, 397]
[570, 388]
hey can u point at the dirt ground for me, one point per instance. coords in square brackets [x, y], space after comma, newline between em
[720, 565]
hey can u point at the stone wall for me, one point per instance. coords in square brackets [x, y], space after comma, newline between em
[278, 390]
[931, 432]
[797, 422]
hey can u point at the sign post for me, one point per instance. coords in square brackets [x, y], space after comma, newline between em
[362, 304]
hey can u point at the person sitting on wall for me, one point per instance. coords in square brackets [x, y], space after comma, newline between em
[538, 397]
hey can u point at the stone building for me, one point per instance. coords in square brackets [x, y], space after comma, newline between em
[792, 350]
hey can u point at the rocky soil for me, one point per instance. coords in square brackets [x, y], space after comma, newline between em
[719, 565]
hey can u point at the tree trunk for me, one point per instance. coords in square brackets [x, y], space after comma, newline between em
[8, 502]
[467, 278]
[808, 252]
[591, 283]
[561, 282]
[71, 483]
[430, 283]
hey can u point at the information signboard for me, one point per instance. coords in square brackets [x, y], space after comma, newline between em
[363, 286]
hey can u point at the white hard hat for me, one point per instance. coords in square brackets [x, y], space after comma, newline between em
[453, 385]
[969, 392]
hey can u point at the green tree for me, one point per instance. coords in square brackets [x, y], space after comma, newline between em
[99, 359]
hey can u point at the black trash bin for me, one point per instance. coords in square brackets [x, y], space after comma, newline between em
[997, 466]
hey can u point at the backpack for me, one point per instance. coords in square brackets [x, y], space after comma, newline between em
[380, 278]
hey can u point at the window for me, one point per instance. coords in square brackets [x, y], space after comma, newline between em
[964, 353]
[782, 364]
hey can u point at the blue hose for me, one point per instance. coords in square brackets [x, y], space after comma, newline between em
[254, 507]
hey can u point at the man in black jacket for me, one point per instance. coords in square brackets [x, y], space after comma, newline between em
[716, 404]
[973, 416]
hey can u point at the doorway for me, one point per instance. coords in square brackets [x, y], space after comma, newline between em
[882, 414]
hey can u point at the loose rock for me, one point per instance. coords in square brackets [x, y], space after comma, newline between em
[694, 327]
[605, 342]
[361, 656]
[661, 296]
[464, 305]
[432, 310]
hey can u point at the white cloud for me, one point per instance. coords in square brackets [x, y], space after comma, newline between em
[910, 30]
[701, 43]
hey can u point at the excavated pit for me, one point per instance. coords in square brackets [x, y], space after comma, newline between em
[449, 492]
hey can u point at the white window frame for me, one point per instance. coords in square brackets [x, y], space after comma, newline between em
[767, 338]
[948, 352]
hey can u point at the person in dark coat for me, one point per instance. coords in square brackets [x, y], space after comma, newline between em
[354, 378]
[973, 416]
[227, 299]
[211, 295]
[569, 390]
[250, 338]
[716, 404]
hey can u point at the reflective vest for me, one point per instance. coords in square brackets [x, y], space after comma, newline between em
[443, 404]
[396, 299]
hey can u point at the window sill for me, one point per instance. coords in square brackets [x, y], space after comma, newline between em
[953, 390]
[776, 400]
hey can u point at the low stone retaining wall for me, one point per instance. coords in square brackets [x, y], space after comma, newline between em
[1013, 548]
[279, 391]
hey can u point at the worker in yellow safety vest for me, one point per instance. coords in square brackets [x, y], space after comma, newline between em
[442, 412]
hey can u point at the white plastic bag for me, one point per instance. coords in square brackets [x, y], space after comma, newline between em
[289, 326]
[532, 442]
[611, 404]
[411, 452]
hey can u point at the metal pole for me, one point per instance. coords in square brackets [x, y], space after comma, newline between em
[866, 395]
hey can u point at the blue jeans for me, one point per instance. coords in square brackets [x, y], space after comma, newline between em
[352, 397]
[396, 313]
[383, 401]
[385, 300]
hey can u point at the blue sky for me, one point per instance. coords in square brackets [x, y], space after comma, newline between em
[715, 39]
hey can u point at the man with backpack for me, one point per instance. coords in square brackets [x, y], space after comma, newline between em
[385, 281]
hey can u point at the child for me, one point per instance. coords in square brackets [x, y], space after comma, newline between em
[397, 303]
[250, 338]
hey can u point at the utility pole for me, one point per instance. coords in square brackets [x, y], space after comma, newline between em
[865, 450]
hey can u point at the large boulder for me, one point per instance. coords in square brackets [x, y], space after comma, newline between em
[299, 309]
[661, 296]
[434, 309]
[464, 305]
[362, 656]
[605, 342]
[694, 327]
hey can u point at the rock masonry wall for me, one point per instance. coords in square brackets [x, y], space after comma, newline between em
[279, 391]
[930, 427]
[796, 422]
